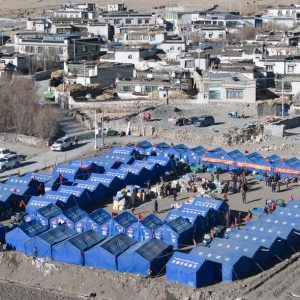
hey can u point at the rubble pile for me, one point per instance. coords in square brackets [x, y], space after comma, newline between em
[273, 147]
[79, 90]
[248, 134]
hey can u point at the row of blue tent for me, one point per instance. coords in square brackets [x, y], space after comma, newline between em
[93, 249]
[178, 229]
[258, 246]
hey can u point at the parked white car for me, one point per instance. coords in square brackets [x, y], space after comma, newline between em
[9, 162]
[4, 152]
[62, 144]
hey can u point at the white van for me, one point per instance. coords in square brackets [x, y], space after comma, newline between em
[9, 162]
[62, 144]
[4, 152]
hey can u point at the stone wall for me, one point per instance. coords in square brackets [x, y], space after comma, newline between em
[290, 123]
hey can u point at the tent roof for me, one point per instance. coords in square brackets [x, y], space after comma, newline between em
[86, 184]
[58, 196]
[16, 180]
[20, 189]
[125, 219]
[57, 235]
[75, 213]
[86, 240]
[40, 177]
[101, 178]
[100, 216]
[274, 159]
[143, 145]
[5, 195]
[49, 211]
[208, 202]
[194, 210]
[117, 244]
[198, 150]
[64, 169]
[179, 224]
[32, 228]
[161, 160]
[162, 146]
[152, 221]
[117, 156]
[72, 190]
[116, 173]
[134, 169]
[293, 162]
[123, 150]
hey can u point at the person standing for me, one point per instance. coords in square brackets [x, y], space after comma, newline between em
[278, 186]
[155, 204]
[175, 194]
[244, 196]
[287, 183]
[34, 252]
[273, 186]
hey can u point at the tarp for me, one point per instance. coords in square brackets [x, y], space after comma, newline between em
[124, 150]
[194, 155]
[113, 184]
[121, 222]
[217, 157]
[177, 151]
[62, 200]
[177, 233]
[81, 196]
[145, 258]
[158, 149]
[127, 178]
[142, 175]
[72, 250]
[46, 240]
[105, 254]
[234, 265]
[68, 217]
[143, 147]
[44, 214]
[16, 238]
[191, 270]
[144, 229]
[98, 191]
[68, 172]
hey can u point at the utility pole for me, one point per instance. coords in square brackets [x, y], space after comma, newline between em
[282, 95]
[102, 128]
[74, 49]
[96, 129]
[84, 72]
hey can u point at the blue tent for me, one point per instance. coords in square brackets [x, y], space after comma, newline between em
[7, 199]
[18, 192]
[167, 164]
[293, 163]
[191, 270]
[145, 258]
[158, 150]
[44, 214]
[69, 173]
[81, 196]
[98, 220]
[105, 255]
[290, 235]
[37, 202]
[154, 169]
[127, 178]
[258, 253]
[45, 241]
[123, 158]
[142, 175]
[97, 191]
[106, 163]
[176, 152]
[274, 159]
[143, 147]
[218, 158]
[2, 234]
[26, 181]
[121, 222]
[233, 264]
[39, 177]
[177, 232]
[112, 183]
[280, 220]
[287, 211]
[145, 229]
[68, 217]
[124, 150]
[194, 155]
[86, 167]
[72, 250]
[258, 163]
[277, 246]
[293, 205]
[16, 238]
[240, 160]
[62, 200]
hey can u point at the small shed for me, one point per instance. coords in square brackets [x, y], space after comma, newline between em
[145, 258]
[105, 255]
[72, 250]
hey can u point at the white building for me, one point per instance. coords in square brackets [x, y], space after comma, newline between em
[280, 65]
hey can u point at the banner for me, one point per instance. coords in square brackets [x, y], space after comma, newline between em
[254, 166]
[218, 160]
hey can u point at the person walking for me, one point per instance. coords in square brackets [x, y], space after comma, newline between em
[287, 183]
[175, 194]
[244, 196]
[273, 186]
[155, 204]
[278, 186]
[34, 252]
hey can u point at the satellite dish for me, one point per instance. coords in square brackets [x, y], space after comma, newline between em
[88, 96]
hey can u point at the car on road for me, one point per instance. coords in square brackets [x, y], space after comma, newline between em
[10, 161]
[204, 121]
[62, 144]
[4, 152]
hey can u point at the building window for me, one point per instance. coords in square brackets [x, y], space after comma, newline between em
[139, 21]
[146, 21]
[84, 49]
[214, 94]
[117, 21]
[210, 35]
[269, 68]
[189, 64]
[128, 21]
[61, 50]
[40, 49]
[221, 35]
[291, 69]
[130, 56]
[94, 48]
[234, 94]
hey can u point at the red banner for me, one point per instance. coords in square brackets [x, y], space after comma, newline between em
[287, 171]
[254, 166]
[218, 160]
